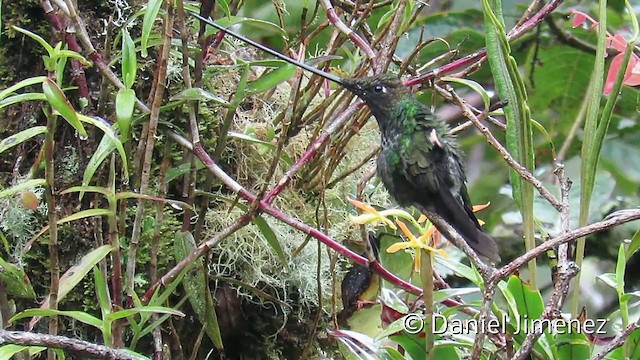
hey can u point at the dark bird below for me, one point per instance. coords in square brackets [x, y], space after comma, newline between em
[360, 285]
[420, 163]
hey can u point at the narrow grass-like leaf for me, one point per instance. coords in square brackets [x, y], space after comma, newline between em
[271, 79]
[197, 288]
[150, 14]
[129, 61]
[486, 99]
[272, 239]
[224, 5]
[634, 245]
[65, 54]
[19, 85]
[22, 98]
[519, 135]
[101, 292]
[37, 38]
[106, 147]
[108, 131]
[78, 315]
[250, 138]
[21, 137]
[130, 195]
[590, 152]
[27, 185]
[61, 104]
[75, 274]
[261, 24]
[8, 351]
[84, 214]
[97, 189]
[147, 309]
[198, 94]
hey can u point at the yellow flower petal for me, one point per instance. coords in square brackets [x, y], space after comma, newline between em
[402, 245]
[405, 230]
[424, 238]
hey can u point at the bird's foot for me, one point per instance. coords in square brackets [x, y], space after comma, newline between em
[360, 304]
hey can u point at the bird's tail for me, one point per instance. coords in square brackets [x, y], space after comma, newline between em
[485, 246]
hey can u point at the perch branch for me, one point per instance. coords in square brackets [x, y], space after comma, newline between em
[79, 347]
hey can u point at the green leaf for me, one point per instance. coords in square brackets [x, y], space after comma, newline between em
[198, 94]
[78, 315]
[21, 137]
[197, 288]
[84, 214]
[125, 104]
[150, 14]
[529, 306]
[132, 195]
[412, 344]
[559, 89]
[146, 309]
[592, 142]
[24, 83]
[106, 147]
[27, 185]
[37, 38]
[224, 5]
[609, 279]
[572, 344]
[272, 239]
[7, 351]
[61, 104]
[22, 98]
[102, 292]
[251, 139]
[271, 79]
[444, 294]
[519, 137]
[634, 245]
[97, 189]
[460, 269]
[16, 281]
[266, 26]
[108, 131]
[129, 61]
[620, 267]
[75, 274]
[486, 99]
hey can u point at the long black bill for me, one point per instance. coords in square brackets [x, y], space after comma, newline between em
[299, 64]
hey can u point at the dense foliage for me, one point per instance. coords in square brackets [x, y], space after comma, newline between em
[169, 191]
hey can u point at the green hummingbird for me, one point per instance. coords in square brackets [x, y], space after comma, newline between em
[420, 163]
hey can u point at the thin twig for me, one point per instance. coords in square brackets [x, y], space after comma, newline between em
[521, 170]
[149, 146]
[80, 347]
[616, 342]
[611, 221]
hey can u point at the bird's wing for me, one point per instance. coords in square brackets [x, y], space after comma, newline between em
[432, 164]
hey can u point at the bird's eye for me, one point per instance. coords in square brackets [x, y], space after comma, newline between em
[378, 89]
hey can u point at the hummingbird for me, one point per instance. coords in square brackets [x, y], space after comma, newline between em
[360, 285]
[420, 163]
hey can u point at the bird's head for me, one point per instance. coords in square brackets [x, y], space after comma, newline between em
[377, 90]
